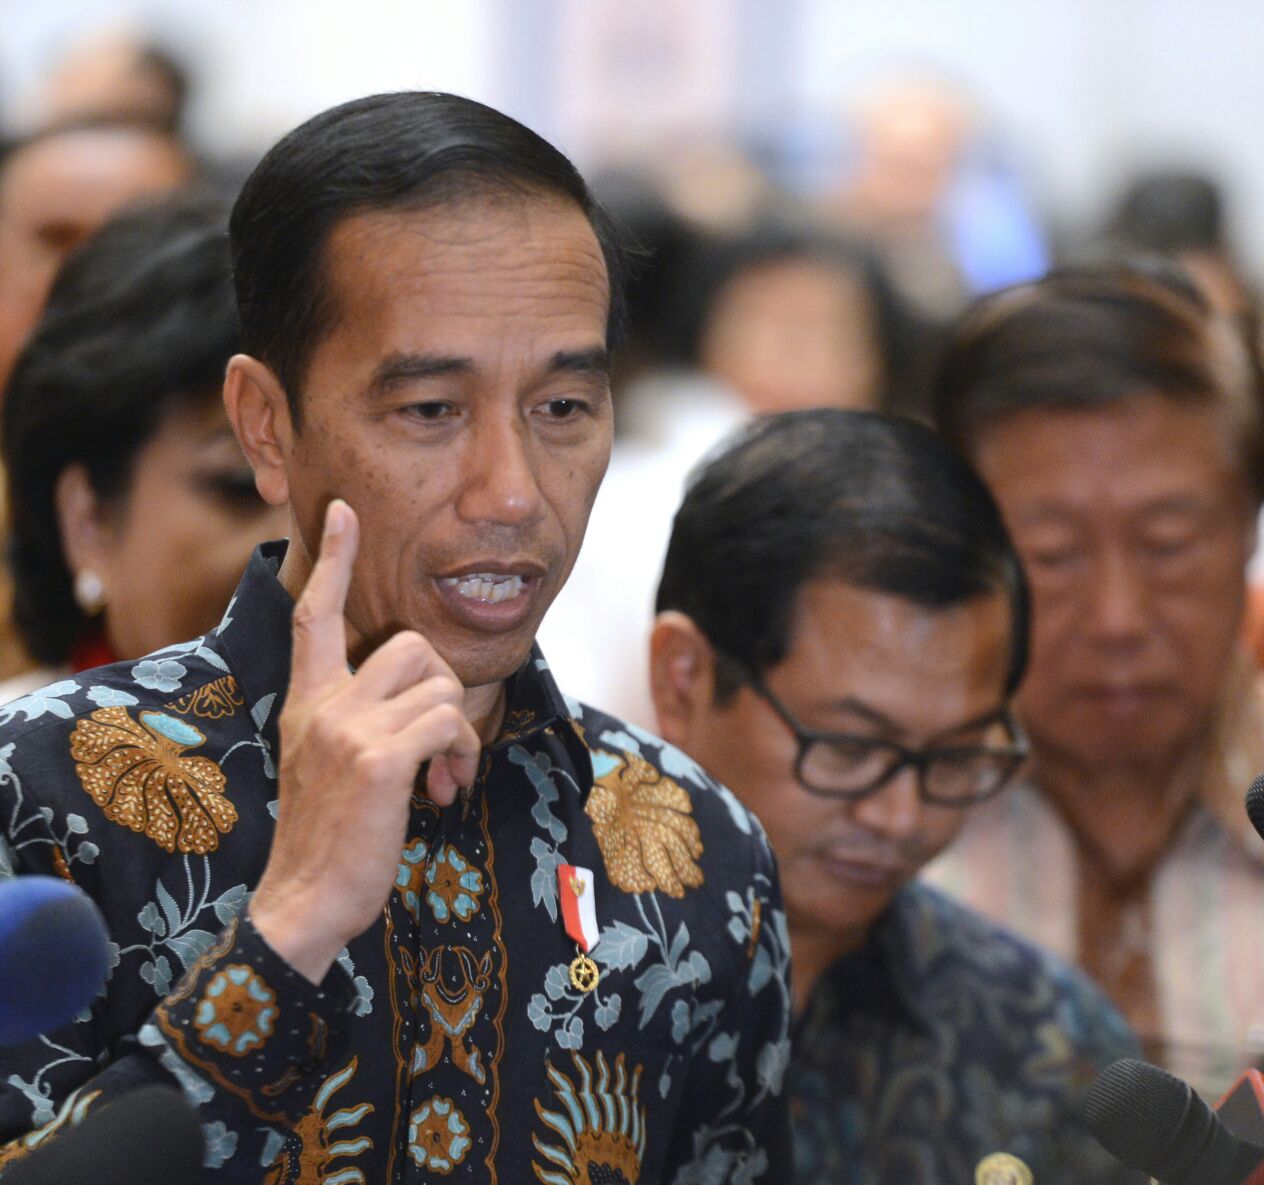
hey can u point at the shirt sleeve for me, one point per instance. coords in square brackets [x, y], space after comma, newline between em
[740, 1130]
[242, 1034]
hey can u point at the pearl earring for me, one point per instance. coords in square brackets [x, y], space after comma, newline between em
[90, 594]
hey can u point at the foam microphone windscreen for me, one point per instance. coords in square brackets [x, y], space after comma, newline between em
[1255, 805]
[54, 955]
[149, 1136]
[1154, 1122]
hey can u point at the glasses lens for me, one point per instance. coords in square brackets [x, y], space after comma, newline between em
[844, 766]
[967, 776]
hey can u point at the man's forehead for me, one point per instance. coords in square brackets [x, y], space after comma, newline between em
[530, 258]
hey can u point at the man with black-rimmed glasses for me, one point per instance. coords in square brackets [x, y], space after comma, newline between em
[842, 622]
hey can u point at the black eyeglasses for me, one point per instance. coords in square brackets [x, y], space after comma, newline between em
[841, 765]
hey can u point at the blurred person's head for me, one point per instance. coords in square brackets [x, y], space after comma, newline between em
[128, 495]
[116, 75]
[793, 318]
[56, 188]
[1116, 421]
[909, 135]
[841, 623]
[428, 297]
[1180, 214]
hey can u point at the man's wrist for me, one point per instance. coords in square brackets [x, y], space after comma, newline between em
[309, 949]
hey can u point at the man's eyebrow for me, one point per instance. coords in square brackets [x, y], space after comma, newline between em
[398, 370]
[594, 361]
[859, 708]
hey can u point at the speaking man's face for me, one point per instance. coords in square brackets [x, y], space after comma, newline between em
[460, 403]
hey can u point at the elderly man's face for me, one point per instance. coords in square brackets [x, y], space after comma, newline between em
[57, 192]
[1135, 527]
[461, 405]
[871, 665]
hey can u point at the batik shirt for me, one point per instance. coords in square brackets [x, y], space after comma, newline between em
[941, 1041]
[449, 1042]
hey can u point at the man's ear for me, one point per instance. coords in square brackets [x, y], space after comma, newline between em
[260, 415]
[682, 676]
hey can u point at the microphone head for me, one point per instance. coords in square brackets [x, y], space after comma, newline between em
[150, 1136]
[1154, 1122]
[1255, 805]
[54, 955]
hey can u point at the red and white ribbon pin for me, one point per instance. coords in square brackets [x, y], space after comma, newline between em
[578, 891]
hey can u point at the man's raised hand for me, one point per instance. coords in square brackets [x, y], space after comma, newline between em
[351, 746]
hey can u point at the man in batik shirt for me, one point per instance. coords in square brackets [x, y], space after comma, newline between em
[387, 907]
[842, 623]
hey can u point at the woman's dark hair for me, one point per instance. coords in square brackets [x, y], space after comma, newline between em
[140, 322]
[877, 501]
[404, 151]
[1093, 336]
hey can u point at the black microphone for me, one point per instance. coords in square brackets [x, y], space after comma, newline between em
[1156, 1123]
[1255, 805]
[149, 1136]
[54, 955]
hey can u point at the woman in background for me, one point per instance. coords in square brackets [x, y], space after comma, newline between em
[133, 512]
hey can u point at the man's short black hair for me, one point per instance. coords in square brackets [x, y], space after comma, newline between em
[876, 501]
[1094, 336]
[140, 323]
[403, 151]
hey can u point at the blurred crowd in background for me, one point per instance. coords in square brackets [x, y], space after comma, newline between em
[795, 251]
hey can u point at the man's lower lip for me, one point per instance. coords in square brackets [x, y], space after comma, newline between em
[493, 616]
[870, 876]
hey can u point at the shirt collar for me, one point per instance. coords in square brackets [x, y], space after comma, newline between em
[256, 635]
[885, 975]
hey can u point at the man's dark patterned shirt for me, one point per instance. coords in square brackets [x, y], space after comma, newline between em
[449, 1042]
[945, 1039]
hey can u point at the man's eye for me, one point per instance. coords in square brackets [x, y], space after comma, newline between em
[434, 410]
[563, 409]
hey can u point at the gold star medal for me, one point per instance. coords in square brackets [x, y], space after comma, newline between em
[579, 914]
[1002, 1169]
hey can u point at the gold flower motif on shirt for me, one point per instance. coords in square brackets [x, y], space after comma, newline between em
[137, 774]
[597, 1134]
[211, 701]
[644, 826]
[238, 1011]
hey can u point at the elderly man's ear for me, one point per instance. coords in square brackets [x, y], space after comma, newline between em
[682, 676]
[260, 415]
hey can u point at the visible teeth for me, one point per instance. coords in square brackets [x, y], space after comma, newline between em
[487, 586]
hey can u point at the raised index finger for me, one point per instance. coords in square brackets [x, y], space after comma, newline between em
[320, 635]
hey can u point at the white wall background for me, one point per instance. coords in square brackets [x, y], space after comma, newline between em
[1082, 89]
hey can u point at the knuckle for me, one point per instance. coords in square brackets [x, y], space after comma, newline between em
[305, 617]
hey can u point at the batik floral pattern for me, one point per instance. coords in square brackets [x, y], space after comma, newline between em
[137, 774]
[438, 1135]
[238, 1011]
[644, 826]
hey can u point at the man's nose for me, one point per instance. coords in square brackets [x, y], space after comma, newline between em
[499, 480]
[895, 810]
[1118, 599]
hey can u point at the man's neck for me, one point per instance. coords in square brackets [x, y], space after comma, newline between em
[1124, 815]
[813, 951]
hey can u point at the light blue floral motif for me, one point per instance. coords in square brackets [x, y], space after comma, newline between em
[454, 887]
[220, 1144]
[237, 1012]
[159, 674]
[172, 926]
[438, 1135]
[111, 697]
[541, 773]
[47, 701]
[410, 875]
[362, 1005]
